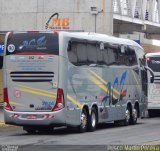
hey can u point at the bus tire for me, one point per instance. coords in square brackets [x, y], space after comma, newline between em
[93, 120]
[46, 129]
[134, 116]
[127, 119]
[150, 114]
[84, 122]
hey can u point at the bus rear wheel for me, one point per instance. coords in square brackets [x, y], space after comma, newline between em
[84, 121]
[29, 130]
[127, 119]
[134, 115]
[93, 120]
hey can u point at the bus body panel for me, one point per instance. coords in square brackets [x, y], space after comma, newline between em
[22, 72]
[97, 85]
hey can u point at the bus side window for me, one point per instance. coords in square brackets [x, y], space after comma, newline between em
[122, 55]
[81, 54]
[110, 54]
[92, 53]
[105, 56]
[72, 55]
[131, 58]
[100, 56]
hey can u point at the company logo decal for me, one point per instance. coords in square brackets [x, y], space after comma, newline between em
[17, 93]
[57, 23]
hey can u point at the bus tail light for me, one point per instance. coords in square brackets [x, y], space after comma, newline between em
[6, 101]
[59, 101]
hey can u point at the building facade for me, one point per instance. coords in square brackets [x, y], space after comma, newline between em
[73, 15]
[68, 15]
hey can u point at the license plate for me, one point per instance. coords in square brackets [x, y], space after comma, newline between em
[31, 116]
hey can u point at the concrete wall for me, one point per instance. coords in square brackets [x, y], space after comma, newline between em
[73, 15]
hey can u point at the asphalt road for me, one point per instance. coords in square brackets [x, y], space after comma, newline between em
[146, 132]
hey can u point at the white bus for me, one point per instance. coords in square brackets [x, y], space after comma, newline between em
[73, 79]
[153, 62]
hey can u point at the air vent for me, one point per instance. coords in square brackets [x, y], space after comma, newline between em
[31, 76]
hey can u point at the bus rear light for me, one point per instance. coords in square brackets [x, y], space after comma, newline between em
[59, 101]
[6, 101]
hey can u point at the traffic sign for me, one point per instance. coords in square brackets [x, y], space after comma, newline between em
[1, 48]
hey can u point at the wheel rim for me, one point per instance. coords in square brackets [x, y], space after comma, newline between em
[83, 120]
[135, 114]
[127, 115]
[93, 119]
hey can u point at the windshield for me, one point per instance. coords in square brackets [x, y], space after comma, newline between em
[154, 63]
[32, 43]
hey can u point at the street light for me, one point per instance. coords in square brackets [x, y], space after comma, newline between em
[94, 11]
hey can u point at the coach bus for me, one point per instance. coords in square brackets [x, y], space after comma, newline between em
[72, 79]
[153, 62]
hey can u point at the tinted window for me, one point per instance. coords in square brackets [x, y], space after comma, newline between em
[131, 58]
[87, 53]
[82, 53]
[21, 43]
[154, 63]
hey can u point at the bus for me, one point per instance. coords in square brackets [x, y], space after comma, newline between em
[153, 62]
[73, 79]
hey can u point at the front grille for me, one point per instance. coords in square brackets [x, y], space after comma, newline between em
[31, 76]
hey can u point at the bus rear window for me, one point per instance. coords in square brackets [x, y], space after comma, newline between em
[36, 43]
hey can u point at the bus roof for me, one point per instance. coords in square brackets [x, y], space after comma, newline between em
[100, 37]
[90, 36]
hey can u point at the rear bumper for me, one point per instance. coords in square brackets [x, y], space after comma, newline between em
[57, 118]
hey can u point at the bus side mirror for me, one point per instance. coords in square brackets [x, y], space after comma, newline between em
[151, 72]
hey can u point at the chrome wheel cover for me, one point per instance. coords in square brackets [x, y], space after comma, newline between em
[83, 120]
[135, 114]
[127, 115]
[93, 116]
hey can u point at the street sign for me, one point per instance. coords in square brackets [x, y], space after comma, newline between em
[1, 47]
